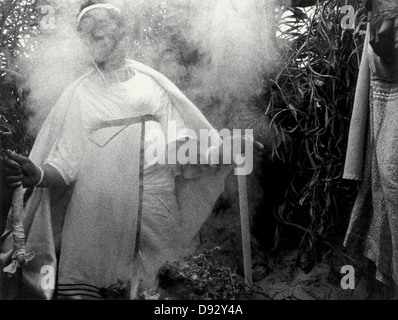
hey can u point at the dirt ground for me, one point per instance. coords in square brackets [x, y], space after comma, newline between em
[278, 276]
[286, 281]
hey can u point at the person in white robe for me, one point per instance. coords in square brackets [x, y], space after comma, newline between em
[103, 216]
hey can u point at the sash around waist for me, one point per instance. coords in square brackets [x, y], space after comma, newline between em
[124, 122]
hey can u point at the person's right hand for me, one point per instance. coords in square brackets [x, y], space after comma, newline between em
[19, 170]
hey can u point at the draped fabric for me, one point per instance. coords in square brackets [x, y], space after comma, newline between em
[88, 232]
[354, 161]
[372, 65]
[373, 229]
[372, 159]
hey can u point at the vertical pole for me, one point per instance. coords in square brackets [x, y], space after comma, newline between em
[17, 216]
[245, 227]
[17, 205]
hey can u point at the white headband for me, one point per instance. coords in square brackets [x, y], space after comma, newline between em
[96, 6]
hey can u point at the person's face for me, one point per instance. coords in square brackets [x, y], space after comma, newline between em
[100, 34]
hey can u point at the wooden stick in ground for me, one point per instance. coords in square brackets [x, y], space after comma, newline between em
[245, 227]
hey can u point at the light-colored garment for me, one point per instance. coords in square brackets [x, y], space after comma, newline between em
[372, 65]
[101, 219]
[99, 229]
[359, 121]
[94, 102]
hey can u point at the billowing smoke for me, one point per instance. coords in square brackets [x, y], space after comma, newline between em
[237, 35]
[229, 48]
[57, 60]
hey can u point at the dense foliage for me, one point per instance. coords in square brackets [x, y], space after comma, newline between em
[19, 21]
[310, 108]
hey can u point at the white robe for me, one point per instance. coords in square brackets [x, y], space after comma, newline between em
[99, 233]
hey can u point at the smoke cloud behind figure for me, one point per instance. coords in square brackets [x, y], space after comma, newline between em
[237, 35]
[234, 37]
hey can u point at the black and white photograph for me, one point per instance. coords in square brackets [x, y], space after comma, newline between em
[210, 152]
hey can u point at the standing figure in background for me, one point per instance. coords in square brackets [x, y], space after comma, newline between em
[372, 155]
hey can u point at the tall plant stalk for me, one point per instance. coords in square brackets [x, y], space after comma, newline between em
[310, 107]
